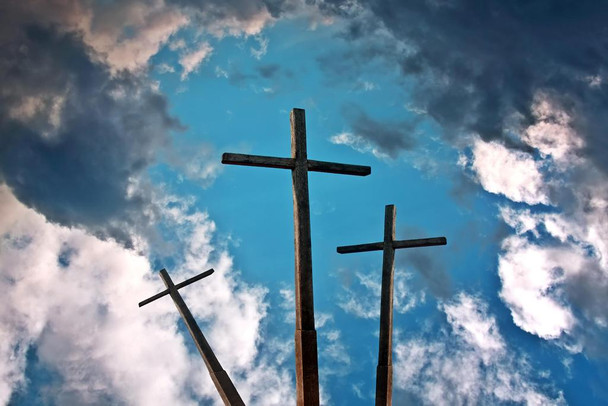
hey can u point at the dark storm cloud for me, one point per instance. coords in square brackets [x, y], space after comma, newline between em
[75, 140]
[478, 63]
[389, 137]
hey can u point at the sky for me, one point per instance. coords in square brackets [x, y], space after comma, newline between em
[483, 122]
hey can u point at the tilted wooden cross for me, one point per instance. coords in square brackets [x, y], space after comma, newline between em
[220, 378]
[307, 376]
[384, 371]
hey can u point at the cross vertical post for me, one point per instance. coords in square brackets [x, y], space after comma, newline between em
[220, 378]
[307, 375]
[384, 370]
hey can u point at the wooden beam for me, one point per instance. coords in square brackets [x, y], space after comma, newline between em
[379, 246]
[422, 242]
[307, 375]
[178, 286]
[384, 370]
[257, 160]
[334, 167]
[220, 378]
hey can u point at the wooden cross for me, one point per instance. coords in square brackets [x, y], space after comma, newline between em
[220, 378]
[384, 371]
[307, 375]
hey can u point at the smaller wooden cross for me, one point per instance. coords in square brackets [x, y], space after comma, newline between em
[220, 378]
[384, 371]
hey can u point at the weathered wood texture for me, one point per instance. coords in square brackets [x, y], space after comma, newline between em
[307, 379]
[257, 160]
[384, 370]
[220, 378]
[342, 169]
[379, 246]
[289, 163]
[385, 347]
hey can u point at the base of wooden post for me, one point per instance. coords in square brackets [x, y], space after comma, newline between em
[307, 369]
[384, 385]
[226, 389]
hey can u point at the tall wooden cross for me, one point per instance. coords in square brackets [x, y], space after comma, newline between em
[307, 375]
[384, 371]
[220, 378]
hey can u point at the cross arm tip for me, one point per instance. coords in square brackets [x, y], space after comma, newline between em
[226, 157]
[350, 249]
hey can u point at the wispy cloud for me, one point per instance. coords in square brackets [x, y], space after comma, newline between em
[369, 285]
[192, 59]
[469, 364]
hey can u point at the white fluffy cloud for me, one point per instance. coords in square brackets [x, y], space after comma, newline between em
[74, 298]
[552, 135]
[469, 365]
[531, 276]
[514, 174]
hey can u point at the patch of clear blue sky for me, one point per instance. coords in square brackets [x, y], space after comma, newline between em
[253, 206]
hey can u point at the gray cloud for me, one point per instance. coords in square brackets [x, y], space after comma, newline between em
[479, 65]
[389, 137]
[273, 71]
[74, 139]
[80, 122]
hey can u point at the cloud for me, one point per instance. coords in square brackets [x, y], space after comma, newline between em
[529, 276]
[269, 71]
[553, 274]
[73, 299]
[358, 143]
[553, 265]
[475, 79]
[380, 138]
[75, 140]
[552, 133]
[369, 285]
[235, 18]
[469, 364]
[80, 122]
[430, 265]
[199, 163]
[259, 52]
[192, 60]
[124, 35]
[514, 174]
[520, 86]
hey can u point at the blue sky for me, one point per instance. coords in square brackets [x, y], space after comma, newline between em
[483, 123]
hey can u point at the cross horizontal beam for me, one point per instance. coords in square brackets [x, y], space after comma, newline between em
[178, 286]
[379, 246]
[258, 160]
[289, 163]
